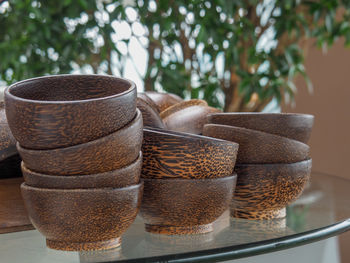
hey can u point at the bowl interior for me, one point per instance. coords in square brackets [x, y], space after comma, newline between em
[69, 87]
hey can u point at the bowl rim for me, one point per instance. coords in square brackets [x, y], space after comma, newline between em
[275, 114]
[232, 176]
[186, 135]
[79, 190]
[66, 177]
[306, 162]
[137, 118]
[7, 92]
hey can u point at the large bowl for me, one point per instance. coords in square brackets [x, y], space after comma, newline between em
[65, 110]
[259, 147]
[168, 154]
[291, 125]
[264, 190]
[102, 155]
[180, 206]
[125, 176]
[82, 219]
[163, 100]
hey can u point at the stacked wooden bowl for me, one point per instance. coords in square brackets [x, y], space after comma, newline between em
[188, 181]
[80, 140]
[273, 162]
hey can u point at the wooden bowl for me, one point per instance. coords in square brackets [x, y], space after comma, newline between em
[259, 147]
[102, 155]
[125, 176]
[188, 116]
[82, 219]
[150, 114]
[168, 154]
[163, 100]
[7, 141]
[264, 190]
[65, 110]
[180, 206]
[291, 125]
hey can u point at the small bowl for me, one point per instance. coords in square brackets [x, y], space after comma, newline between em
[180, 206]
[150, 114]
[291, 125]
[259, 147]
[102, 155]
[182, 105]
[82, 219]
[168, 154]
[65, 110]
[128, 175]
[7, 141]
[163, 100]
[264, 190]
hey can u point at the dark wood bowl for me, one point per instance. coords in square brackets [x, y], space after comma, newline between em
[168, 154]
[150, 114]
[187, 116]
[7, 141]
[259, 147]
[163, 100]
[291, 125]
[82, 219]
[65, 110]
[264, 190]
[180, 206]
[125, 176]
[102, 155]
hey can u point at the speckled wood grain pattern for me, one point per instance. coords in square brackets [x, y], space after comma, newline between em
[104, 154]
[180, 206]
[82, 219]
[65, 110]
[264, 190]
[176, 155]
[257, 147]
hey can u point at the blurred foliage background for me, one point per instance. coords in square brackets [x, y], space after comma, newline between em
[237, 55]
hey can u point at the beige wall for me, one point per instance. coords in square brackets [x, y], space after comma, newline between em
[330, 103]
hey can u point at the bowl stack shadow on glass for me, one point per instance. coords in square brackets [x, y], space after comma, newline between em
[188, 181]
[273, 162]
[79, 137]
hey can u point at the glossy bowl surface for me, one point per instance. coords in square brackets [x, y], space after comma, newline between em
[105, 154]
[64, 110]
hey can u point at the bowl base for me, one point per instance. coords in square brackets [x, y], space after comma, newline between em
[87, 246]
[259, 215]
[179, 230]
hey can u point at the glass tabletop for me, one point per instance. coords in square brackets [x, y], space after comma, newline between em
[322, 211]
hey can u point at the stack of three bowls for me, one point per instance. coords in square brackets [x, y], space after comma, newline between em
[80, 138]
[188, 181]
[273, 162]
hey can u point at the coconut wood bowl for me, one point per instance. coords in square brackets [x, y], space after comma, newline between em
[163, 100]
[180, 206]
[259, 147]
[102, 155]
[168, 154]
[65, 110]
[150, 113]
[291, 125]
[125, 176]
[82, 219]
[7, 141]
[187, 116]
[264, 190]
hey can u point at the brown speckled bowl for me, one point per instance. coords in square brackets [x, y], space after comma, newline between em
[168, 154]
[150, 114]
[259, 147]
[7, 141]
[102, 155]
[65, 110]
[122, 177]
[291, 125]
[163, 100]
[180, 206]
[82, 219]
[264, 190]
